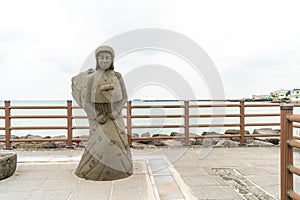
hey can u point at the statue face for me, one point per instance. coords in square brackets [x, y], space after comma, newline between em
[104, 60]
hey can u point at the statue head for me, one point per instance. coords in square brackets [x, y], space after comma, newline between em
[104, 58]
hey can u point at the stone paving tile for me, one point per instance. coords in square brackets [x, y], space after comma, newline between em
[253, 170]
[20, 186]
[139, 187]
[32, 175]
[273, 190]
[14, 195]
[136, 181]
[56, 185]
[159, 166]
[213, 192]
[265, 180]
[88, 195]
[62, 175]
[167, 188]
[195, 179]
[92, 190]
[190, 171]
[50, 195]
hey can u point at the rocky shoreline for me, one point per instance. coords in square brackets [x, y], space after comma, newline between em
[215, 142]
[177, 142]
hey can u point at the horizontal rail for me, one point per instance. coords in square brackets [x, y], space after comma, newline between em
[38, 107]
[263, 135]
[213, 125]
[159, 126]
[80, 127]
[79, 117]
[37, 116]
[262, 115]
[293, 143]
[294, 118]
[158, 138]
[293, 195]
[216, 136]
[2, 128]
[296, 126]
[76, 107]
[39, 140]
[79, 139]
[262, 105]
[262, 124]
[182, 137]
[2, 117]
[46, 140]
[157, 106]
[294, 170]
[214, 115]
[37, 127]
[214, 105]
[296, 137]
[210, 136]
[157, 116]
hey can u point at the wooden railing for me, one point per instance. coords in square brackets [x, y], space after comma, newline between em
[288, 142]
[186, 125]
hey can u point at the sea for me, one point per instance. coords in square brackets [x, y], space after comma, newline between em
[142, 121]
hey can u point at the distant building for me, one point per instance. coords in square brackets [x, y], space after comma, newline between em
[295, 95]
[280, 95]
[264, 97]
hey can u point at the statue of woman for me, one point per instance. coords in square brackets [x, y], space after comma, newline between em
[102, 94]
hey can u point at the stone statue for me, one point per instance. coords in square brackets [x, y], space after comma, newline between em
[102, 94]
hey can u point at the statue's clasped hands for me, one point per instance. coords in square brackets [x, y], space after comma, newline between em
[102, 118]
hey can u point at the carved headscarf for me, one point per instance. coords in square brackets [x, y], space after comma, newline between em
[105, 49]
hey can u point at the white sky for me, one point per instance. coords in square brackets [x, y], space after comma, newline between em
[254, 44]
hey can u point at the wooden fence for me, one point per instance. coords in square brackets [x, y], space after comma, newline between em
[288, 142]
[186, 116]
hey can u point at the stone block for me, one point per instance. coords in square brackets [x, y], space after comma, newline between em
[8, 164]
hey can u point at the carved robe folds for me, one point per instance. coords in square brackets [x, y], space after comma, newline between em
[107, 155]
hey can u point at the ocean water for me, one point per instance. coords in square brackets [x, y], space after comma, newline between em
[140, 121]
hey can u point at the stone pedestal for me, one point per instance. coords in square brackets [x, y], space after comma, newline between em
[8, 164]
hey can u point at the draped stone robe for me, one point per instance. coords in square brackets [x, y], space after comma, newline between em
[107, 154]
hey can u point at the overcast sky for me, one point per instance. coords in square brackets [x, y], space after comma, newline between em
[253, 44]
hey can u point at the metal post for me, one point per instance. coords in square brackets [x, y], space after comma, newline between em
[7, 125]
[286, 152]
[129, 123]
[69, 124]
[242, 122]
[186, 123]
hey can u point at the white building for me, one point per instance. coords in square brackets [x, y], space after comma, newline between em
[295, 95]
[280, 94]
[262, 97]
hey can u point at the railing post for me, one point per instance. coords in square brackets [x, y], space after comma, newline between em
[69, 124]
[129, 123]
[7, 125]
[186, 123]
[286, 152]
[242, 122]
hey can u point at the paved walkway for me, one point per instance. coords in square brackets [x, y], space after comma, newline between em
[165, 173]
